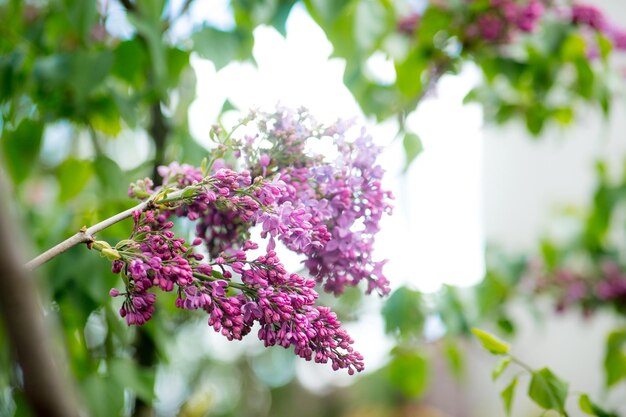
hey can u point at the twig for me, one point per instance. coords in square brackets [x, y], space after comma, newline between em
[86, 234]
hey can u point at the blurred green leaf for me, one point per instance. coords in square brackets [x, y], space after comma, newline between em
[83, 16]
[105, 116]
[547, 390]
[605, 46]
[403, 313]
[591, 408]
[491, 342]
[535, 119]
[585, 78]
[412, 148]
[615, 358]
[279, 18]
[104, 395]
[454, 358]
[88, 69]
[500, 368]
[149, 26]
[12, 75]
[574, 47]
[563, 115]
[491, 293]
[73, 176]
[507, 396]
[110, 176]
[177, 61]
[326, 12]
[505, 325]
[139, 380]
[130, 61]
[227, 106]
[549, 254]
[453, 311]
[434, 20]
[410, 373]
[21, 148]
[409, 74]
[222, 47]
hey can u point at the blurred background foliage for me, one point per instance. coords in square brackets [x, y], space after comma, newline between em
[84, 112]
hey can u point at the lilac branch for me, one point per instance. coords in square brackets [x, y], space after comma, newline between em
[86, 234]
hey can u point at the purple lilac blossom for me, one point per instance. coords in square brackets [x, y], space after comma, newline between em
[328, 211]
[282, 303]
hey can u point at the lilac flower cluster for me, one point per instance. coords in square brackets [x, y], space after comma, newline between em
[151, 257]
[495, 23]
[589, 290]
[328, 211]
[283, 304]
[499, 21]
[340, 202]
[589, 16]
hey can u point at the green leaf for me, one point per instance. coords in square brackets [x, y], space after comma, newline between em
[149, 26]
[279, 19]
[563, 115]
[83, 15]
[222, 47]
[326, 12]
[410, 373]
[403, 313]
[585, 78]
[73, 175]
[21, 148]
[500, 368]
[433, 21]
[535, 119]
[104, 395]
[227, 106]
[177, 61]
[139, 380]
[110, 176]
[585, 404]
[12, 74]
[491, 293]
[591, 408]
[104, 116]
[491, 342]
[409, 74]
[412, 147]
[507, 395]
[88, 70]
[574, 47]
[454, 358]
[452, 311]
[550, 254]
[604, 45]
[130, 62]
[547, 390]
[615, 359]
